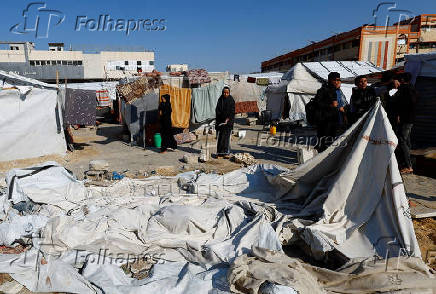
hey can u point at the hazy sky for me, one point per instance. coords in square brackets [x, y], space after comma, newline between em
[217, 35]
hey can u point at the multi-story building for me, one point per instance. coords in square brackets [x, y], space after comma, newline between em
[56, 62]
[383, 46]
[176, 67]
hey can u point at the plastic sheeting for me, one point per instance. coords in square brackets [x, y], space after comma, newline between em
[353, 217]
[421, 65]
[30, 124]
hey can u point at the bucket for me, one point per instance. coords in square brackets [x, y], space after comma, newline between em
[273, 130]
[157, 140]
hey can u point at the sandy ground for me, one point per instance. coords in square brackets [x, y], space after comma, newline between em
[105, 142]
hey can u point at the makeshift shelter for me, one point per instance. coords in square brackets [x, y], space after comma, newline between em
[304, 80]
[423, 70]
[246, 95]
[31, 123]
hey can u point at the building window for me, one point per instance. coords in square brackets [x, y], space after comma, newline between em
[64, 62]
[52, 49]
[53, 62]
[151, 62]
[69, 62]
[42, 62]
[37, 62]
[138, 62]
[126, 63]
[58, 62]
[79, 62]
[32, 62]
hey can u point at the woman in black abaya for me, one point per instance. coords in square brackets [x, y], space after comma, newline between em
[225, 116]
[166, 128]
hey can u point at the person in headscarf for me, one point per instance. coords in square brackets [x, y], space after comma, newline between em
[225, 116]
[166, 128]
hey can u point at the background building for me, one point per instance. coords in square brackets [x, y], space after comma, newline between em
[177, 67]
[23, 59]
[383, 46]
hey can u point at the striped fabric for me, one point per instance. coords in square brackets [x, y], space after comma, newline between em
[103, 98]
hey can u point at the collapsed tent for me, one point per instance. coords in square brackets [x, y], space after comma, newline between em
[30, 116]
[209, 233]
[423, 70]
[304, 80]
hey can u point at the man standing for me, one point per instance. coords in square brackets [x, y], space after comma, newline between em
[331, 111]
[225, 116]
[362, 99]
[405, 100]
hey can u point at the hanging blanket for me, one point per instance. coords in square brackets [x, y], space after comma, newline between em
[204, 101]
[180, 104]
[103, 98]
[80, 107]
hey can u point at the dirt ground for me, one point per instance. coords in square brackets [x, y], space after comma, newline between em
[106, 142]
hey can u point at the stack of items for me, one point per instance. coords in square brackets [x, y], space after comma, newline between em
[198, 76]
[138, 88]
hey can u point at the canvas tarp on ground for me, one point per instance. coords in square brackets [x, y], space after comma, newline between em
[204, 101]
[180, 104]
[30, 124]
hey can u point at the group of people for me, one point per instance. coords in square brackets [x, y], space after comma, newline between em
[334, 114]
[225, 116]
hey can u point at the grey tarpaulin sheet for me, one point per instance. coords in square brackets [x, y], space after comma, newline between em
[140, 112]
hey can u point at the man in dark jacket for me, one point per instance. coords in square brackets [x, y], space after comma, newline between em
[331, 109]
[362, 99]
[225, 116]
[405, 104]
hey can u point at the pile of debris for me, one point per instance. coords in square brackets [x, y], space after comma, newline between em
[245, 159]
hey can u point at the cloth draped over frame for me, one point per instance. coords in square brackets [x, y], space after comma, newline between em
[180, 104]
[140, 112]
[246, 96]
[80, 107]
[138, 88]
[204, 101]
[103, 98]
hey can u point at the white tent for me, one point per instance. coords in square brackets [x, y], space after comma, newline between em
[30, 119]
[304, 79]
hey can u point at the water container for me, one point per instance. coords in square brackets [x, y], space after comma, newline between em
[273, 130]
[157, 140]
